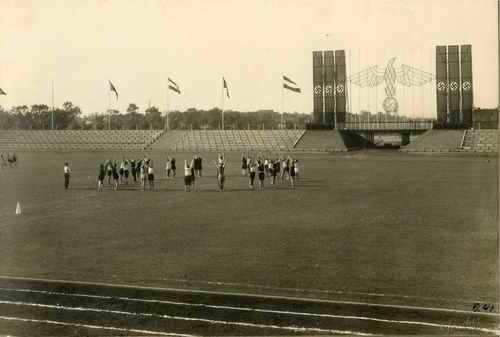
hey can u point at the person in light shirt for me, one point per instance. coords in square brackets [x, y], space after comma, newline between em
[188, 172]
[67, 174]
[151, 176]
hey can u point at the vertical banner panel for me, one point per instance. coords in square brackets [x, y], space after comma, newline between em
[318, 87]
[329, 81]
[466, 84]
[454, 84]
[441, 85]
[340, 92]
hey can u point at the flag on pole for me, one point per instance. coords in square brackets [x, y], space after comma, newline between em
[112, 88]
[173, 86]
[290, 85]
[224, 86]
[2, 92]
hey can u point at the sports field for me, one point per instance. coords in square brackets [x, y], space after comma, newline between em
[366, 227]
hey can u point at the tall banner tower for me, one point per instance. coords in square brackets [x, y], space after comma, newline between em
[454, 90]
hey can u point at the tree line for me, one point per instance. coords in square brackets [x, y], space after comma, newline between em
[70, 117]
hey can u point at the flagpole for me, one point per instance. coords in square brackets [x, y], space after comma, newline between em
[222, 112]
[109, 109]
[52, 115]
[282, 106]
[166, 114]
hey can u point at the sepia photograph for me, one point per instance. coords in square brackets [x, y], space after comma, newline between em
[249, 168]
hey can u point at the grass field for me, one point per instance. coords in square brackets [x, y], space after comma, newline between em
[385, 227]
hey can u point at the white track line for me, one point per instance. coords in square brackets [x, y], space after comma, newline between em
[89, 326]
[182, 318]
[363, 318]
[242, 308]
[248, 295]
[322, 291]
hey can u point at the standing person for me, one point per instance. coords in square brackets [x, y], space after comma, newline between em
[142, 175]
[198, 166]
[151, 176]
[292, 173]
[121, 171]
[100, 178]
[194, 162]
[187, 176]
[276, 169]
[296, 170]
[67, 174]
[244, 165]
[115, 175]
[168, 167]
[221, 178]
[249, 162]
[262, 174]
[266, 166]
[126, 170]
[252, 168]
[109, 170]
[172, 164]
[270, 168]
[285, 170]
[132, 169]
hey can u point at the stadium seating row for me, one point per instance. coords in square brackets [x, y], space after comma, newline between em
[232, 140]
[68, 140]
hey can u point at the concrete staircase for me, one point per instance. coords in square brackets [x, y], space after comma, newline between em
[436, 141]
[321, 141]
[484, 140]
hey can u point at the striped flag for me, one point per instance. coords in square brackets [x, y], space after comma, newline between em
[112, 88]
[173, 86]
[290, 85]
[2, 92]
[224, 86]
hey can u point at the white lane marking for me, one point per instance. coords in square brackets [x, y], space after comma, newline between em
[247, 285]
[90, 326]
[182, 318]
[250, 308]
[324, 291]
[364, 318]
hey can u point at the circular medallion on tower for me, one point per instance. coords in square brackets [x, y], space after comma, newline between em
[441, 86]
[328, 89]
[466, 86]
[340, 89]
[453, 86]
[390, 105]
[318, 90]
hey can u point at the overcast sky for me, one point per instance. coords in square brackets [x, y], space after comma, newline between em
[137, 44]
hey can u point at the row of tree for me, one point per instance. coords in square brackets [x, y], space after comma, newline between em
[69, 116]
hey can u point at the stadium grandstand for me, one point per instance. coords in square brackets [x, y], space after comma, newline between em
[77, 140]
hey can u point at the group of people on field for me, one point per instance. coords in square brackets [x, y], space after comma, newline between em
[132, 171]
[8, 160]
[118, 173]
[277, 169]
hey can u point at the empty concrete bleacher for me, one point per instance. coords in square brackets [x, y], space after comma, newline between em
[484, 140]
[321, 141]
[436, 141]
[78, 140]
[229, 140]
[7, 141]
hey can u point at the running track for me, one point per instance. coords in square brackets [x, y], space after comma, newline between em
[54, 307]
